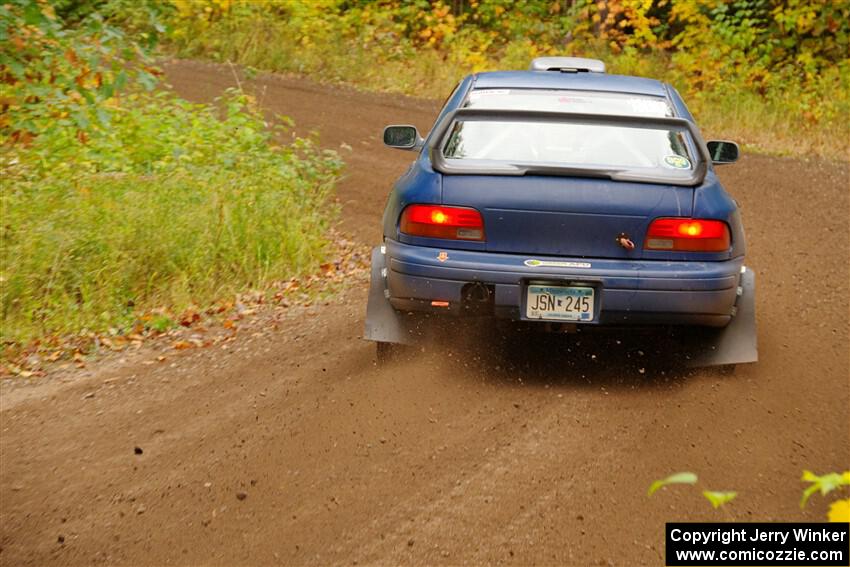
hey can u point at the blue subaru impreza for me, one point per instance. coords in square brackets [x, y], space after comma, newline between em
[566, 196]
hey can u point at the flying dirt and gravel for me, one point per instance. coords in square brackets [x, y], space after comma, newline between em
[292, 446]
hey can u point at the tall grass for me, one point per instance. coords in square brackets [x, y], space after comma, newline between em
[173, 204]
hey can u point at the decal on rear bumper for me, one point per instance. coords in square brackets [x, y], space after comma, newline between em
[532, 263]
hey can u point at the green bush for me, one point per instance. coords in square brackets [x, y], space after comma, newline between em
[171, 206]
[120, 203]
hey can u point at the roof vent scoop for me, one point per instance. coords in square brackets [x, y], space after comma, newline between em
[567, 65]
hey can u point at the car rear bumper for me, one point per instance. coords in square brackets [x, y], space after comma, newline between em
[628, 292]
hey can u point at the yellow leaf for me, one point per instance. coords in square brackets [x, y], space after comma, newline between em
[809, 476]
[839, 511]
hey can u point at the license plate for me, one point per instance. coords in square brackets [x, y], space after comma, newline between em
[559, 303]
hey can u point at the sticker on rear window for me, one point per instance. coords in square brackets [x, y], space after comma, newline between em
[678, 162]
[488, 92]
[644, 106]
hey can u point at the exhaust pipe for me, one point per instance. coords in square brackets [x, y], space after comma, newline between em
[477, 293]
[478, 298]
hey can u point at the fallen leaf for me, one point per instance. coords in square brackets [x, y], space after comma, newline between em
[189, 317]
[718, 499]
[678, 478]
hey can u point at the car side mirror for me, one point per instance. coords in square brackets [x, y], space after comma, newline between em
[403, 137]
[723, 151]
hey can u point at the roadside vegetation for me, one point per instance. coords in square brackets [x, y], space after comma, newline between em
[774, 74]
[123, 205]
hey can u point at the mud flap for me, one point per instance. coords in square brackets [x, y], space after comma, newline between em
[383, 323]
[737, 342]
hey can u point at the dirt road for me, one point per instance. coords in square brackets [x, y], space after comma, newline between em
[293, 447]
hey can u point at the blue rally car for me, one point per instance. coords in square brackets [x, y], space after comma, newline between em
[564, 196]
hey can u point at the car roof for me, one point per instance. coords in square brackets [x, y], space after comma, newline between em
[577, 81]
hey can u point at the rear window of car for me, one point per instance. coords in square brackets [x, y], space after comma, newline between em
[591, 145]
[627, 147]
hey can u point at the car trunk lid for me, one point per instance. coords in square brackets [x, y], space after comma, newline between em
[559, 216]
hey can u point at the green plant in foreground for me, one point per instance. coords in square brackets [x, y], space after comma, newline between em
[839, 510]
[717, 499]
[825, 484]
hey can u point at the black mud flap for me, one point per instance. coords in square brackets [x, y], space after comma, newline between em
[737, 342]
[383, 323]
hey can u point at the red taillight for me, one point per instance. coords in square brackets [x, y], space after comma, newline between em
[688, 235]
[437, 221]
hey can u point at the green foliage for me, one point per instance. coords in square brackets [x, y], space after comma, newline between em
[170, 206]
[797, 53]
[678, 478]
[54, 76]
[161, 323]
[126, 201]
